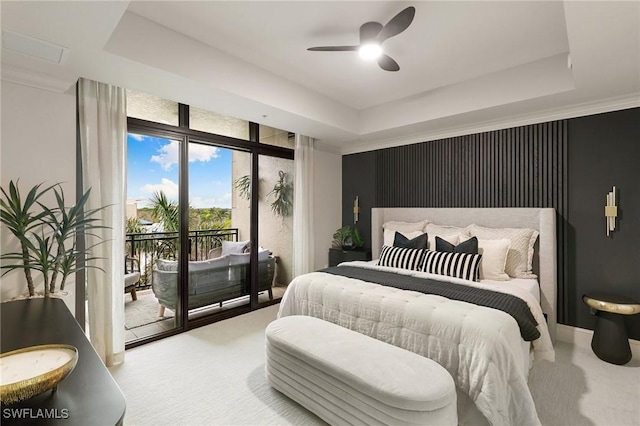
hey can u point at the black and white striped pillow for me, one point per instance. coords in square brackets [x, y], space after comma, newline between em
[400, 257]
[458, 265]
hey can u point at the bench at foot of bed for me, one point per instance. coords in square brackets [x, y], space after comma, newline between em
[346, 377]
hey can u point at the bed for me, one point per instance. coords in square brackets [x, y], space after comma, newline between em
[482, 348]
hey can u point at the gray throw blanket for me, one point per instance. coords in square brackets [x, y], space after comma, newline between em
[508, 303]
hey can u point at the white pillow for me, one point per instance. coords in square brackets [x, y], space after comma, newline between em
[448, 233]
[494, 258]
[390, 236]
[520, 258]
[431, 240]
[229, 247]
[218, 262]
[404, 226]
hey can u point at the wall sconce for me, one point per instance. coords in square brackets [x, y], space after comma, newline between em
[611, 211]
[356, 210]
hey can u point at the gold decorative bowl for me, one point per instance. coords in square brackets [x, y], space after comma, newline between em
[28, 372]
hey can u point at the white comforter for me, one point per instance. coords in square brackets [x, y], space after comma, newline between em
[480, 347]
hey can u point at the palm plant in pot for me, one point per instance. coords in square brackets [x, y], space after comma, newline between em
[47, 236]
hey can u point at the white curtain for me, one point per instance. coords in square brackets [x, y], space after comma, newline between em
[103, 131]
[303, 220]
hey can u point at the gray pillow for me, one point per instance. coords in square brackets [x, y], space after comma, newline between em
[234, 247]
[219, 262]
[167, 265]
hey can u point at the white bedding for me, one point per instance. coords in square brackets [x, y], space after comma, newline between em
[480, 347]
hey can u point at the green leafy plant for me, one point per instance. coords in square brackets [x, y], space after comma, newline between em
[243, 185]
[133, 226]
[47, 235]
[282, 192]
[348, 237]
[166, 211]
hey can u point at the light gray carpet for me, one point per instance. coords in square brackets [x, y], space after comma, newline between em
[214, 375]
[142, 311]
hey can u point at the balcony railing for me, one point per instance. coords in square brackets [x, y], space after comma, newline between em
[147, 247]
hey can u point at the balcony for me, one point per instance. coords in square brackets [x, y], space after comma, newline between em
[146, 248]
[142, 316]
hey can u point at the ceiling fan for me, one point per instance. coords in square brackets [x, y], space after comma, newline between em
[372, 35]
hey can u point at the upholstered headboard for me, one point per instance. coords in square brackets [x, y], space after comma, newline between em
[542, 220]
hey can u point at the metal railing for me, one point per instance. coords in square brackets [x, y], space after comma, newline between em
[148, 247]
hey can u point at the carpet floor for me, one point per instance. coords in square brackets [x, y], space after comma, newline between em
[214, 375]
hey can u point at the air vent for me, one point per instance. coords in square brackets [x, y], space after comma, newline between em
[33, 47]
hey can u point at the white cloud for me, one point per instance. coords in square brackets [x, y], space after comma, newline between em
[224, 201]
[136, 137]
[198, 152]
[169, 187]
[170, 153]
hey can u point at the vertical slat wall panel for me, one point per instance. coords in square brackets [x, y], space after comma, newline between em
[518, 167]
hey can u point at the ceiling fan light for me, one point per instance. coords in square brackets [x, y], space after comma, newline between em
[370, 51]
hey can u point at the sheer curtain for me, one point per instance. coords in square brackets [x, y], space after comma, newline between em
[103, 129]
[303, 220]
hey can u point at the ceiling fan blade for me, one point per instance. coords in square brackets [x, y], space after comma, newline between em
[388, 64]
[333, 48]
[397, 24]
[369, 31]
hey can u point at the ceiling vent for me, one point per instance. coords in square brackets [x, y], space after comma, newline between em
[33, 47]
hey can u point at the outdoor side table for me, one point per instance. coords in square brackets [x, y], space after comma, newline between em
[610, 341]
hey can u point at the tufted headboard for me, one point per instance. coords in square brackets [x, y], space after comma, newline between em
[541, 219]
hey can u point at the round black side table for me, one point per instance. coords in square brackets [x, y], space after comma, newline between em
[610, 341]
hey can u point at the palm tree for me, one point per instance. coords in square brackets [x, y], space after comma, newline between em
[165, 211]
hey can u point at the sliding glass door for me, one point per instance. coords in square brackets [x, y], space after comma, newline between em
[219, 229]
[152, 243]
[275, 227]
[209, 217]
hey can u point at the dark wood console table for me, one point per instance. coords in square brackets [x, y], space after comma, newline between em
[88, 396]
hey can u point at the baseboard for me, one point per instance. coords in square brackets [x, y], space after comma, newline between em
[581, 337]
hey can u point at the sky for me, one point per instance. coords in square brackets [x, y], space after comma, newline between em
[152, 165]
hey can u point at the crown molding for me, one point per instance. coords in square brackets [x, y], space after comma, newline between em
[572, 111]
[17, 75]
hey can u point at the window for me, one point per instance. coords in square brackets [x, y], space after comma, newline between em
[190, 194]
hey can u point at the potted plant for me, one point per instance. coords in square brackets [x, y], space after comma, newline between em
[348, 238]
[46, 235]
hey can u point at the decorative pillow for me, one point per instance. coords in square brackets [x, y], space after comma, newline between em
[399, 257]
[520, 257]
[469, 246]
[448, 233]
[494, 258]
[419, 242]
[458, 265]
[219, 262]
[229, 247]
[390, 236]
[167, 265]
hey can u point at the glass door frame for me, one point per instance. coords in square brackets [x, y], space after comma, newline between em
[185, 135]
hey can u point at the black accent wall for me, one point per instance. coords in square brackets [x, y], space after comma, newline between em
[568, 164]
[604, 150]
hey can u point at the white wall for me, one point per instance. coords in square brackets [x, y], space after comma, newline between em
[327, 194]
[37, 144]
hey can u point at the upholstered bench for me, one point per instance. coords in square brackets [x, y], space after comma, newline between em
[345, 377]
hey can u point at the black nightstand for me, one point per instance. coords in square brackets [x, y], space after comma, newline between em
[337, 255]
